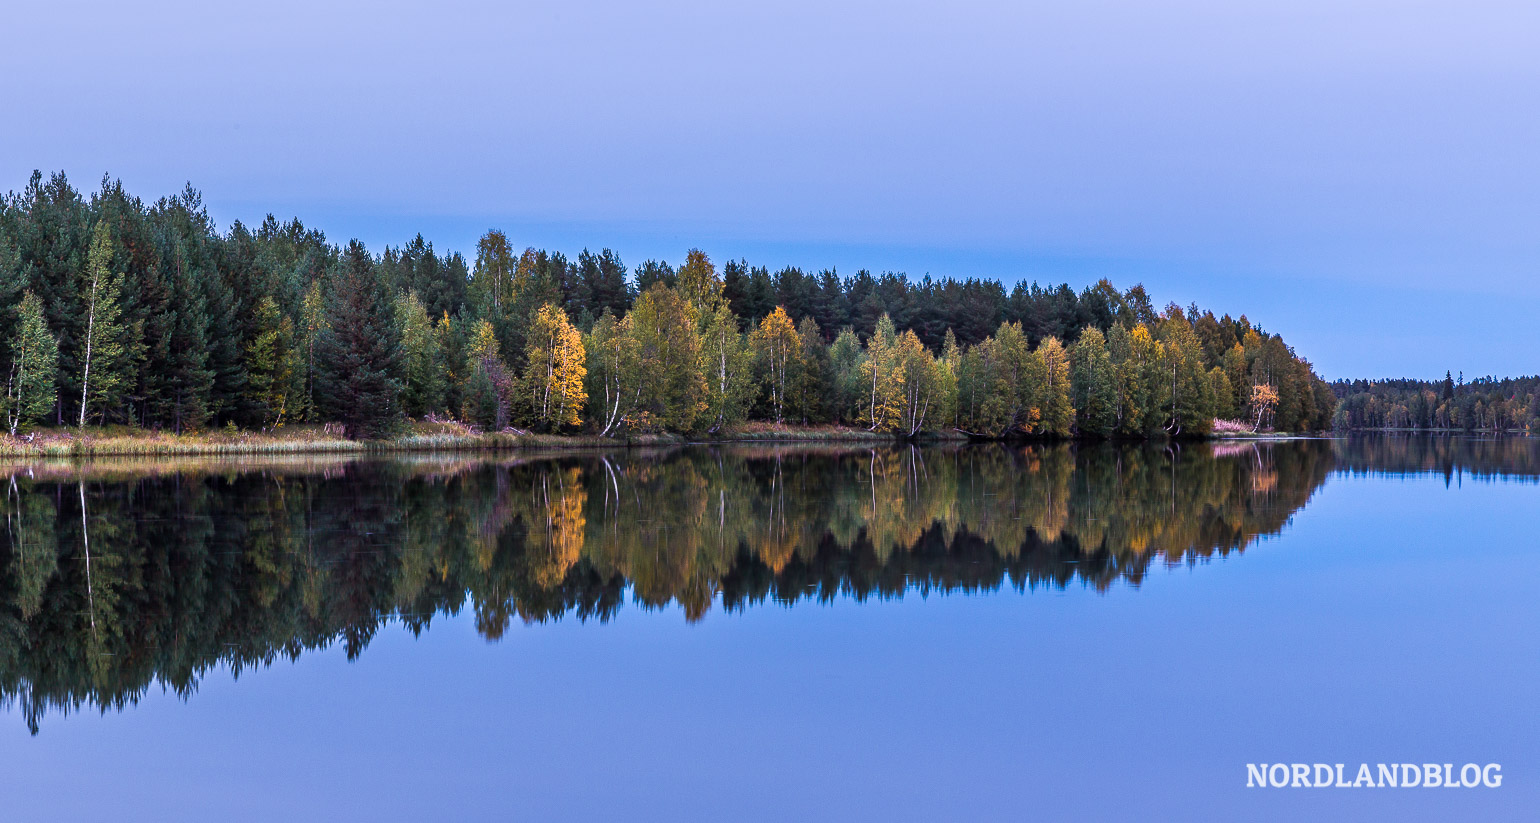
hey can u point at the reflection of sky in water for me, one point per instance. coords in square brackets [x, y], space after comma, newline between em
[1389, 621]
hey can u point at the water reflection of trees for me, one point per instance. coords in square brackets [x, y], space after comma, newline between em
[1452, 456]
[117, 576]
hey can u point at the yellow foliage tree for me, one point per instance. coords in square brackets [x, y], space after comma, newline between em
[1264, 398]
[778, 348]
[555, 368]
[885, 400]
[1058, 410]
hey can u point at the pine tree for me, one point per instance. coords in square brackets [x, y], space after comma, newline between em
[34, 366]
[809, 377]
[358, 351]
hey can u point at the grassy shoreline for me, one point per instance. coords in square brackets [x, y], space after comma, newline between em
[434, 437]
[421, 437]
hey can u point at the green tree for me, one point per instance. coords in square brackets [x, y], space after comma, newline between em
[488, 390]
[272, 364]
[492, 284]
[34, 366]
[358, 349]
[613, 375]
[313, 317]
[883, 408]
[699, 284]
[104, 334]
[672, 391]
[1184, 388]
[728, 366]
[1093, 383]
[422, 364]
[845, 358]
[809, 377]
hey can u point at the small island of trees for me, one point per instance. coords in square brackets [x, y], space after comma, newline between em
[118, 313]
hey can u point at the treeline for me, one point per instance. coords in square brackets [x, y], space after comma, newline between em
[112, 580]
[121, 312]
[1486, 404]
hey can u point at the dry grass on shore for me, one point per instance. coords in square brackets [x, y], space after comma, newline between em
[121, 441]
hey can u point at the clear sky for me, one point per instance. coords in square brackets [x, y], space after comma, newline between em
[1363, 177]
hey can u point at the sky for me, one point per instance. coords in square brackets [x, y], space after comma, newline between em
[1361, 177]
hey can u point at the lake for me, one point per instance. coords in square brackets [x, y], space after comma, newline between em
[772, 632]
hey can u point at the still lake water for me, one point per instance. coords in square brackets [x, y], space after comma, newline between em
[771, 633]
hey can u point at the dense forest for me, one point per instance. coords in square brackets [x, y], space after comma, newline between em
[117, 576]
[114, 312]
[1487, 404]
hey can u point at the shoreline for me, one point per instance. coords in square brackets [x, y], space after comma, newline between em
[309, 440]
[450, 438]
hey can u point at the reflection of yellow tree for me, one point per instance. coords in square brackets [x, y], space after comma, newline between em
[556, 530]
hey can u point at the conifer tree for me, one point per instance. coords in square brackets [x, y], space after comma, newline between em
[809, 375]
[358, 352]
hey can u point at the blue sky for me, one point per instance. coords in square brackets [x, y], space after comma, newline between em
[1362, 177]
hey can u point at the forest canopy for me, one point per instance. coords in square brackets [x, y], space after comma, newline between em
[114, 311]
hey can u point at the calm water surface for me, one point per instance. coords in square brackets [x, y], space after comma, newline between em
[771, 633]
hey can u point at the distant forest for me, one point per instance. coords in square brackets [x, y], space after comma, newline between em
[1486, 404]
[118, 312]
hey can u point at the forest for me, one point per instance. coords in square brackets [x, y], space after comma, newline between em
[115, 312]
[118, 576]
[1487, 404]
